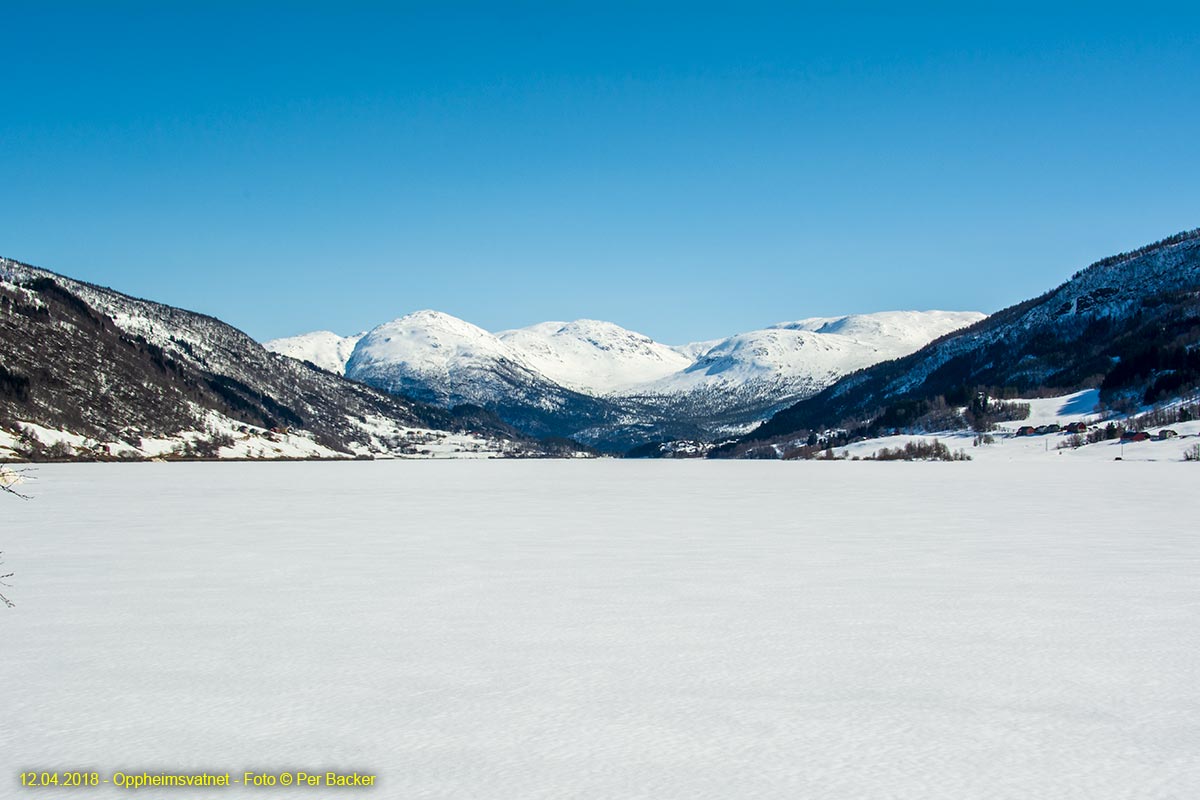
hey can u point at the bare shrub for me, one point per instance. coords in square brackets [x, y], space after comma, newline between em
[918, 451]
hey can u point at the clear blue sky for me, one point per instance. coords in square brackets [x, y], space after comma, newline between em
[686, 170]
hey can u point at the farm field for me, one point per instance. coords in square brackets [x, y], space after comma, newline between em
[611, 629]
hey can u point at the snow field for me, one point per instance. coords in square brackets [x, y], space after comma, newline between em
[608, 629]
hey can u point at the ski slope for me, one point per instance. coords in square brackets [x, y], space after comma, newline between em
[608, 629]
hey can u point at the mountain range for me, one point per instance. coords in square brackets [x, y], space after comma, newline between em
[614, 388]
[89, 372]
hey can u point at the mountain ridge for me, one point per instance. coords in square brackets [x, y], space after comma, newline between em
[612, 387]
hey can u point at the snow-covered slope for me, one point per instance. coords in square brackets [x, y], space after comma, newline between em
[895, 332]
[440, 358]
[693, 350]
[324, 348]
[593, 357]
[807, 355]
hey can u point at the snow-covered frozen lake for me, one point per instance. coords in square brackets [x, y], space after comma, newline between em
[611, 629]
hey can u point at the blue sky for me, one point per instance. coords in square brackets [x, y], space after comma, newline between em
[686, 170]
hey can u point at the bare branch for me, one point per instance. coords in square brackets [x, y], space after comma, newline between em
[10, 478]
[4, 599]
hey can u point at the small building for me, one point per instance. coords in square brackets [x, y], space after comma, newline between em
[1134, 436]
[1076, 427]
[1166, 433]
[1026, 430]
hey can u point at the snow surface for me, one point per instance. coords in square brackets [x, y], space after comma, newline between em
[612, 629]
[1075, 407]
[326, 349]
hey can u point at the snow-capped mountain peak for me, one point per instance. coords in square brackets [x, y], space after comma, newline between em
[799, 357]
[326, 349]
[593, 357]
[438, 357]
[429, 341]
